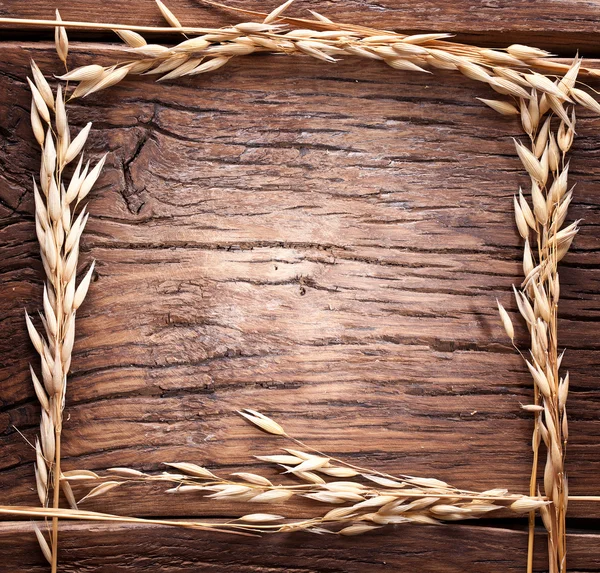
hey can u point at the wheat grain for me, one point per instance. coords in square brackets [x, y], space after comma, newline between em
[503, 107]
[506, 321]
[168, 15]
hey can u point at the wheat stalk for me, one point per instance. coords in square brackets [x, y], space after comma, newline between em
[509, 72]
[230, 526]
[78, 514]
[59, 222]
[363, 499]
[546, 243]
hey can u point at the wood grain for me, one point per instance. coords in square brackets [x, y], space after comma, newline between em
[322, 243]
[562, 26]
[126, 549]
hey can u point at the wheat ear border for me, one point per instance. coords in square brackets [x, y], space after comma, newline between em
[535, 99]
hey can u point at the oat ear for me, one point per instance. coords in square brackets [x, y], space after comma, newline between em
[168, 15]
[61, 41]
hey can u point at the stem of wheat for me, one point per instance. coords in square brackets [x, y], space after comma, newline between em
[59, 225]
[541, 225]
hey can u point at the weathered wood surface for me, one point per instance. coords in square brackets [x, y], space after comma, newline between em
[558, 25]
[128, 549]
[324, 243]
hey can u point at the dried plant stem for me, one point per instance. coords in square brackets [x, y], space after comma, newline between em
[541, 225]
[532, 492]
[56, 503]
[59, 225]
[508, 72]
[84, 515]
[358, 500]
[77, 514]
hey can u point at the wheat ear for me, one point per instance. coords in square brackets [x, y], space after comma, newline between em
[357, 500]
[59, 222]
[547, 241]
[509, 72]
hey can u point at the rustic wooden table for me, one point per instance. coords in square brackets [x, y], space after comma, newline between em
[321, 242]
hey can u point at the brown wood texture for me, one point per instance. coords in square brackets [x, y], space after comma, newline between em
[324, 243]
[127, 549]
[559, 25]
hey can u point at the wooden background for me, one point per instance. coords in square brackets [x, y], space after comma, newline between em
[324, 243]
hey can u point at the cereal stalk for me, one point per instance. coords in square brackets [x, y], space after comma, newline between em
[357, 500]
[83, 515]
[508, 72]
[546, 243]
[60, 221]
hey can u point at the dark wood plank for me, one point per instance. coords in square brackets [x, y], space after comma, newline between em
[127, 548]
[558, 25]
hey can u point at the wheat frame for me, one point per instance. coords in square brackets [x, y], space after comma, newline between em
[59, 226]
